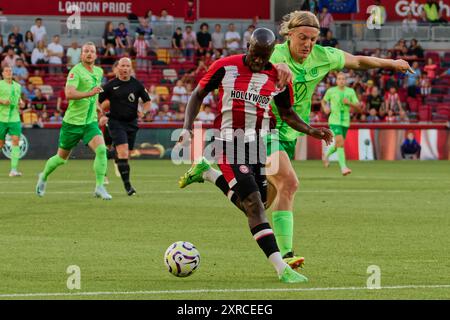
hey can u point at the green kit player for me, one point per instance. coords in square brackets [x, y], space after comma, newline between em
[80, 121]
[309, 64]
[337, 102]
[10, 117]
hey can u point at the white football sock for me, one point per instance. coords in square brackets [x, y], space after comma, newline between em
[277, 261]
[211, 175]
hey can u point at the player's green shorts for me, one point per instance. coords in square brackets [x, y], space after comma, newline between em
[71, 134]
[274, 144]
[339, 130]
[11, 128]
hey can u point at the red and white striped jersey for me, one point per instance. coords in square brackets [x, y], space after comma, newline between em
[244, 96]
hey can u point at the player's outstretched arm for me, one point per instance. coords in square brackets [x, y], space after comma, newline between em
[365, 62]
[72, 93]
[288, 115]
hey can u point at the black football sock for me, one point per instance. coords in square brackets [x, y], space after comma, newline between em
[222, 184]
[124, 169]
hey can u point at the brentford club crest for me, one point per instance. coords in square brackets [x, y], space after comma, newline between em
[244, 169]
[23, 144]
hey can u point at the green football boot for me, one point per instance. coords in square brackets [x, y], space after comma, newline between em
[195, 173]
[291, 276]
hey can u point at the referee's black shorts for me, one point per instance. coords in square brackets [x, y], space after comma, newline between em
[123, 132]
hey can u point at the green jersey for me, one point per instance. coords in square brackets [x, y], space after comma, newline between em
[340, 112]
[83, 111]
[11, 92]
[306, 76]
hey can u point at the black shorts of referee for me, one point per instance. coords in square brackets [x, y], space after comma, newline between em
[123, 132]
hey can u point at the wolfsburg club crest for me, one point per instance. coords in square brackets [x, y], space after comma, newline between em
[23, 144]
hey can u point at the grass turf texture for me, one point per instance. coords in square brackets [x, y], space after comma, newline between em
[392, 214]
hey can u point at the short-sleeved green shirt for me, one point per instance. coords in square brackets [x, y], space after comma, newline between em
[306, 76]
[11, 92]
[340, 112]
[83, 111]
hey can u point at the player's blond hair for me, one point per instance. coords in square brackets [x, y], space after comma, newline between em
[297, 19]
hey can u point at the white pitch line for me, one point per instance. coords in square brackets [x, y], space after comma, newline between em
[256, 290]
[202, 192]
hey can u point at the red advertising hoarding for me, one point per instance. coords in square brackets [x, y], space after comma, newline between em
[233, 9]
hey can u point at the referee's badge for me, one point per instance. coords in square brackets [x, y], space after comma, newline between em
[131, 97]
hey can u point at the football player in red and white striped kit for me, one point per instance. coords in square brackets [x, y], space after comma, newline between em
[247, 84]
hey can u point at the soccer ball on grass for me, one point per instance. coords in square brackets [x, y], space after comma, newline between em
[182, 258]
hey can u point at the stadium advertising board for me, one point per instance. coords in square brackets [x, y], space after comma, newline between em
[207, 9]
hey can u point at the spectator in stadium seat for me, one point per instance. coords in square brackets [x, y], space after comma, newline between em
[179, 93]
[190, 12]
[390, 117]
[122, 39]
[38, 30]
[20, 72]
[403, 116]
[425, 85]
[392, 100]
[409, 24]
[415, 50]
[15, 32]
[177, 39]
[154, 96]
[145, 29]
[247, 35]
[109, 36]
[206, 115]
[410, 148]
[39, 56]
[150, 17]
[372, 117]
[30, 118]
[180, 113]
[28, 92]
[330, 41]
[38, 103]
[43, 118]
[12, 45]
[310, 5]
[412, 79]
[204, 43]
[164, 114]
[374, 100]
[141, 46]
[29, 45]
[166, 18]
[10, 59]
[326, 21]
[430, 69]
[189, 43]
[218, 38]
[232, 39]
[56, 117]
[73, 55]
[55, 54]
[432, 11]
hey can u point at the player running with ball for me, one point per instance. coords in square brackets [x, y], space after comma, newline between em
[80, 121]
[10, 92]
[247, 84]
[309, 63]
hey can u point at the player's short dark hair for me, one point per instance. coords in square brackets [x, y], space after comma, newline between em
[203, 25]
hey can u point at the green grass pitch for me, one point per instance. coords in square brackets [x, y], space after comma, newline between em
[395, 215]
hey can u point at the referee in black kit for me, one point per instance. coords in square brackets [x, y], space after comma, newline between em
[123, 94]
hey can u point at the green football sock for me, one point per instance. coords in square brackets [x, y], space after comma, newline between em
[15, 155]
[52, 163]
[341, 158]
[283, 226]
[100, 164]
[331, 150]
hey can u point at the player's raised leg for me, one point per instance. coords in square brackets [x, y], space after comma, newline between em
[51, 165]
[341, 155]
